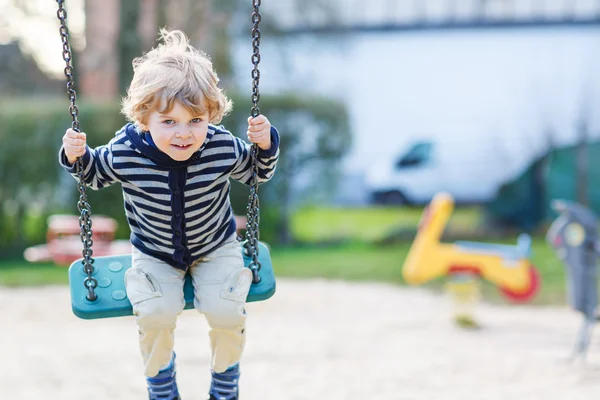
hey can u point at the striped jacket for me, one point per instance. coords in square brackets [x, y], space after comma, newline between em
[178, 211]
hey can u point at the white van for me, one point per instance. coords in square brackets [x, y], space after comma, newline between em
[471, 173]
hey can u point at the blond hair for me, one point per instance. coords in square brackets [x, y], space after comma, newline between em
[174, 71]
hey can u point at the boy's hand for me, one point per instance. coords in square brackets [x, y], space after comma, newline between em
[259, 131]
[74, 145]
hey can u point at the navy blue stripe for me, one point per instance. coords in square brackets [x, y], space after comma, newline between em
[242, 149]
[148, 217]
[226, 231]
[245, 167]
[203, 204]
[211, 170]
[147, 178]
[208, 216]
[218, 157]
[143, 195]
[154, 231]
[202, 184]
[196, 197]
[128, 165]
[266, 162]
[125, 152]
[151, 209]
[145, 224]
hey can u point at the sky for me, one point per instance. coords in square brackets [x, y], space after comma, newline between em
[35, 24]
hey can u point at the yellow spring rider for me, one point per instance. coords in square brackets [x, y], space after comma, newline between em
[506, 266]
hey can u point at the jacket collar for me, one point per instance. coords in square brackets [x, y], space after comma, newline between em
[149, 149]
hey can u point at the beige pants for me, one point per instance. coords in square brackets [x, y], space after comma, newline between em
[221, 285]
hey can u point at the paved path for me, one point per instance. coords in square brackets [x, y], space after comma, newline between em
[312, 340]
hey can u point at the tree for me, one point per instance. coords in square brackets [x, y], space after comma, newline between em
[128, 45]
[315, 135]
[206, 23]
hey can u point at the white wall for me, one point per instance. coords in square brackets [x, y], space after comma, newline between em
[506, 87]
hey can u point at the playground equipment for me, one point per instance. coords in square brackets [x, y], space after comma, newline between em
[63, 241]
[96, 290]
[464, 290]
[508, 267]
[574, 237]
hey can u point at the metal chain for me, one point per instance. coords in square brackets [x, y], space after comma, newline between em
[253, 217]
[85, 220]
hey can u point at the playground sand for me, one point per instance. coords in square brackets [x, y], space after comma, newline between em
[312, 340]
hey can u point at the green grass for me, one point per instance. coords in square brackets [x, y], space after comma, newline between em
[363, 262]
[352, 262]
[365, 224]
[21, 273]
[352, 259]
[359, 262]
[552, 270]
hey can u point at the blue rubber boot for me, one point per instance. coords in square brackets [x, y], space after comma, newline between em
[164, 385]
[224, 385]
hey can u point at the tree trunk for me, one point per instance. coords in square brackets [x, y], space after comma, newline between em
[161, 15]
[129, 44]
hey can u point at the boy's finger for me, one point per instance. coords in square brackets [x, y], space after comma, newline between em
[260, 119]
[74, 141]
[75, 135]
[255, 128]
[254, 136]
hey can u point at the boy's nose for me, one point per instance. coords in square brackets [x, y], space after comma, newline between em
[183, 133]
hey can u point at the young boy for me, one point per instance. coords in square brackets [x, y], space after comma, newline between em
[174, 167]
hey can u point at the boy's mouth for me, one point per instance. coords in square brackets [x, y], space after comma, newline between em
[181, 146]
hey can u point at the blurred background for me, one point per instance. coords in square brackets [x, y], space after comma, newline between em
[380, 104]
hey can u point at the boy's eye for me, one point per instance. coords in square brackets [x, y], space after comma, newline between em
[196, 120]
[168, 121]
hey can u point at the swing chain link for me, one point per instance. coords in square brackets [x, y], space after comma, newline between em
[85, 220]
[256, 18]
[252, 224]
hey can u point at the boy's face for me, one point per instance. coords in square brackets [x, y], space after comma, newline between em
[177, 133]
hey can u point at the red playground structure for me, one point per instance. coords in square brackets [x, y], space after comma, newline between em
[63, 241]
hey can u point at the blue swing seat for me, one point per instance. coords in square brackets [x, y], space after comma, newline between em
[112, 299]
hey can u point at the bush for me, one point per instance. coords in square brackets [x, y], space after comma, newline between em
[33, 186]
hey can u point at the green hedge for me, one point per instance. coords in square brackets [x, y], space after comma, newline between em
[33, 186]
